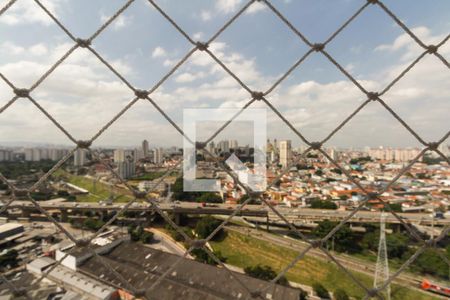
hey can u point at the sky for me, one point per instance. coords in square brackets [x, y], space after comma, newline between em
[82, 94]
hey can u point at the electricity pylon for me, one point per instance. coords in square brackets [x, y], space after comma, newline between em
[382, 266]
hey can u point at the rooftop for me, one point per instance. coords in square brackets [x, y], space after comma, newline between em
[140, 266]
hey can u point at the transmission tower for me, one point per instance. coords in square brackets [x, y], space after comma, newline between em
[382, 266]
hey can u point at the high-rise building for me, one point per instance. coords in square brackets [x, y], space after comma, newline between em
[126, 169]
[36, 156]
[233, 144]
[121, 155]
[79, 157]
[6, 155]
[285, 153]
[158, 155]
[224, 146]
[211, 148]
[145, 148]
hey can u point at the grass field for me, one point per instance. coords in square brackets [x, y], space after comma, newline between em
[242, 251]
[101, 191]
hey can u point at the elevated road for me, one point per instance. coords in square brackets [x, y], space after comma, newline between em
[298, 216]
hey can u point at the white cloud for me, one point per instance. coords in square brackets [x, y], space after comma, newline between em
[205, 15]
[11, 48]
[198, 35]
[169, 62]
[158, 52]
[188, 77]
[256, 7]
[81, 88]
[38, 49]
[118, 23]
[227, 6]
[28, 12]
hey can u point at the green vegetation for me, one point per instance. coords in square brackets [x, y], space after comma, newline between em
[206, 197]
[343, 240]
[303, 295]
[320, 290]
[340, 294]
[206, 225]
[137, 233]
[360, 160]
[202, 256]
[244, 251]
[93, 224]
[265, 273]
[323, 204]
[149, 176]
[15, 169]
[400, 247]
[9, 259]
[245, 197]
[98, 191]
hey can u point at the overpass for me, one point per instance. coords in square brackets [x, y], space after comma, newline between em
[299, 216]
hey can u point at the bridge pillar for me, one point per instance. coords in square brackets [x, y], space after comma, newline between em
[176, 218]
[64, 216]
[148, 218]
[26, 213]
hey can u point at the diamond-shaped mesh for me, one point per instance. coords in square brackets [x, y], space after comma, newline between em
[263, 96]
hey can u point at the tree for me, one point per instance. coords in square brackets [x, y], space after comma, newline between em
[340, 294]
[319, 172]
[397, 207]
[430, 262]
[93, 224]
[206, 225]
[320, 290]
[265, 273]
[323, 204]
[146, 237]
[180, 194]
[201, 256]
[209, 198]
[303, 295]
[245, 197]
[9, 258]
[344, 239]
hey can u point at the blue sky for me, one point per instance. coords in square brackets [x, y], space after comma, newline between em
[83, 94]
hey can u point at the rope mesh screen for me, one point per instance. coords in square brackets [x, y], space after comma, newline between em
[254, 96]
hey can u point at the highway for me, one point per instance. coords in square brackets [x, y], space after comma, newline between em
[298, 216]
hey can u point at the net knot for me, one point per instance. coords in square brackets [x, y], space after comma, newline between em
[372, 292]
[83, 144]
[83, 43]
[82, 242]
[22, 93]
[139, 194]
[257, 95]
[372, 1]
[431, 49]
[198, 244]
[200, 145]
[141, 94]
[316, 145]
[316, 243]
[372, 196]
[318, 47]
[433, 145]
[373, 96]
[202, 46]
